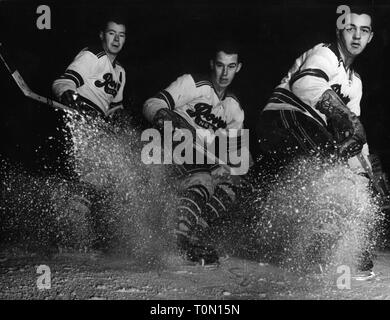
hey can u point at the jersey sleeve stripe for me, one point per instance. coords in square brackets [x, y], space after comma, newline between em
[75, 76]
[203, 83]
[166, 96]
[72, 78]
[281, 95]
[309, 72]
[101, 54]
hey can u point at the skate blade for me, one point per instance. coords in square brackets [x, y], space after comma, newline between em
[209, 266]
[371, 276]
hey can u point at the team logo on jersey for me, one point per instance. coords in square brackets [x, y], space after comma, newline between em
[110, 86]
[204, 118]
[337, 88]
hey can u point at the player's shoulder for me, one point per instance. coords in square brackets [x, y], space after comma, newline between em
[357, 79]
[328, 51]
[198, 83]
[233, 100]
[201, 80]
[231, 95]
[118, 65]
[357, 75]
[96, 50]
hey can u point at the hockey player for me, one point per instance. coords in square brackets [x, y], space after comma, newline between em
[201, 102]
[93, 84]
[95, 79]
[315, 110]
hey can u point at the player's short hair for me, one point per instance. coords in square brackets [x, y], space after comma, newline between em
[363, 9]
[226, 45]
[113, 16]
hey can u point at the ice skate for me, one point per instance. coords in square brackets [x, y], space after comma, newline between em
[364, 270]
[196, 251]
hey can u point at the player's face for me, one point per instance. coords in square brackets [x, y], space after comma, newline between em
[356, 34]
[113, 38]
[224, 68]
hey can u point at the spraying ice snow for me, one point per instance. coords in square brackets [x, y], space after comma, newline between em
[318, 214]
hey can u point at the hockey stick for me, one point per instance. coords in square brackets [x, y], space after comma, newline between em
[27, 91]
[32, 95]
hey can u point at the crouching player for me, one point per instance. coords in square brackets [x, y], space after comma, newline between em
[202, 103]
[316, 108]
[93, 84]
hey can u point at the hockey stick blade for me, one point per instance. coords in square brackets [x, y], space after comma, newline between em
[27, 91]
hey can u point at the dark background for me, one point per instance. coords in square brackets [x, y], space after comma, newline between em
[164, 40]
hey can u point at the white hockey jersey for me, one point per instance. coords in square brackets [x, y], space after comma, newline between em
[317, 70]
[99, 82]
[195, 99]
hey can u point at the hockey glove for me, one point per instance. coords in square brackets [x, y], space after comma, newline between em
[178, 121]
[73, 100]
[70, 98]
[348, 130]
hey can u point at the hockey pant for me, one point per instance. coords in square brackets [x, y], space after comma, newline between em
[285, 134]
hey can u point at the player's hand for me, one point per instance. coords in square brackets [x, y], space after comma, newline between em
[350, 148]
[165, 114]
[70, 99]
